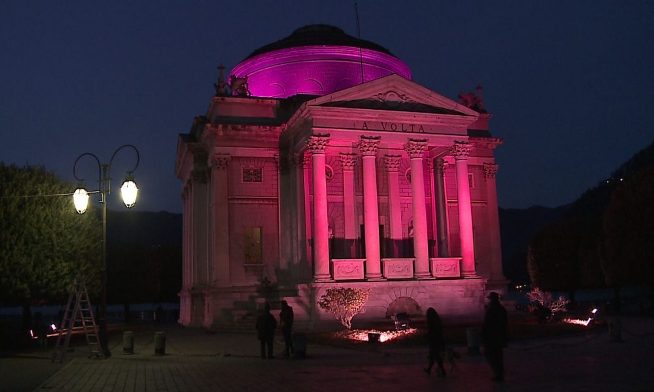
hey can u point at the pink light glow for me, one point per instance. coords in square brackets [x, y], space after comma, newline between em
[578, 321]
[315, 70]
[384, 336]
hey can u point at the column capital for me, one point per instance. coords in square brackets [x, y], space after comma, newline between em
[348, 161]
[368, 145]
[461, 150]
[416, 148]
[317, 143]
[490, 169]
[392, 162]
[220, 161]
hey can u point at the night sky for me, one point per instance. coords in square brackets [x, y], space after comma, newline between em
[569, 83]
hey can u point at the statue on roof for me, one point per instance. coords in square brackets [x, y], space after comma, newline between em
[239, 86]
[222, 89]
[473, 99]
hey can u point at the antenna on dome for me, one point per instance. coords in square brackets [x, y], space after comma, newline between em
[356, 12]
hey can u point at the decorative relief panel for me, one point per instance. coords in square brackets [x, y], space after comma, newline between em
[392, 96]
[252, 174]
[446, 267]
[329, 173]
[348, 269]
[398, 268]
[220, 161]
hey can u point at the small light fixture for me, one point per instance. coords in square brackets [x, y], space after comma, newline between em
[129, 191]
[81, 200]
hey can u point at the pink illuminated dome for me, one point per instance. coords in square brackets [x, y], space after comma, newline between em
[316, 60]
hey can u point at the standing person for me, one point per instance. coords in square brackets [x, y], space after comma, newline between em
[266, 325]
[435, 341]
[286, 324]
[494, 335]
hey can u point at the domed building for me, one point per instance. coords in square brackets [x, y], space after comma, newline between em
[321, 164]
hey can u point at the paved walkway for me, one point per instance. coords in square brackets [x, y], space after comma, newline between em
[196, 361]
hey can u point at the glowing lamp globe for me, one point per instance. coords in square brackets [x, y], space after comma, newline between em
[129, 192]
[80, 200]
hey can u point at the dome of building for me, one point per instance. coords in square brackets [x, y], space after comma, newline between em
[316, 60]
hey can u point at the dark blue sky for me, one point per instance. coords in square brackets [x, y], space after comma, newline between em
[569, 83]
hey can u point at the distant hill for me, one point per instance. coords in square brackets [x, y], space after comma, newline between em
[518, 226]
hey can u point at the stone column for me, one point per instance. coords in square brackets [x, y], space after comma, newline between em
[305, 240]
[431, 210]
[187, 272]
[200, 241]
[495, 257]
[392, 163]
[441, 209]
[368, 147]
[416, 148]
[348, 162]
[200, 224]
[317, 144]
[461, 152]
[220, 218]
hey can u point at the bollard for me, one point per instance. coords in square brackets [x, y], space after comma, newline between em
[299, 345]
[474, 340]
[615, 330]
[160, 343]
[128, 342]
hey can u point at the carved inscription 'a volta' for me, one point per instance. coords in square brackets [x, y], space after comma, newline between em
[389, 126]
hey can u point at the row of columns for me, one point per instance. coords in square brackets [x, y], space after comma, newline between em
[206, 222]
[368, 146]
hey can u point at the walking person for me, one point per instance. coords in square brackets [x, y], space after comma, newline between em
[435, 341]
[494, 335]
[266, 325]
[286, 324]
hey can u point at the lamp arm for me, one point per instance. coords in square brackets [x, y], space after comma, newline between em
[138, 156]
[96, 160]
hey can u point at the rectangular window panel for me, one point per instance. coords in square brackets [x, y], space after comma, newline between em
[253, 245]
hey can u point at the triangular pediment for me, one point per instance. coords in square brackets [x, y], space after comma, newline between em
[393, 93]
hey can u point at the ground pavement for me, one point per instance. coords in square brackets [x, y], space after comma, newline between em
[197, 361]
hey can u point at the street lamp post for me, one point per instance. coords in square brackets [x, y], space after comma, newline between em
[81, 197]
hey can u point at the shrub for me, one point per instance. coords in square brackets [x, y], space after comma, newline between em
[344, 303]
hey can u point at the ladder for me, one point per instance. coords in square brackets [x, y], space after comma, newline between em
[78, 315]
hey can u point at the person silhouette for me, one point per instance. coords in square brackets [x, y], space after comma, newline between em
[435, 341]
[266, 325]
[494, 335]
[286, 324]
